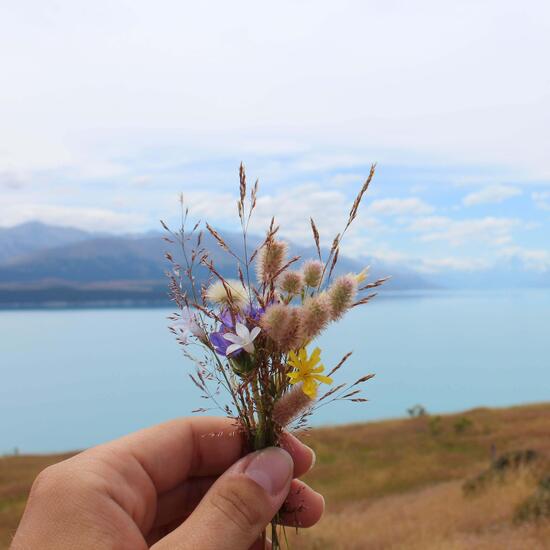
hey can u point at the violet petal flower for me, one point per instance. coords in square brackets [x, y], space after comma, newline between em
[243, 339]
[221, 344]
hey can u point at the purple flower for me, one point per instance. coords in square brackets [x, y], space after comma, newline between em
[227, 325]
[254, 313]
[220, 343]
[227, 320]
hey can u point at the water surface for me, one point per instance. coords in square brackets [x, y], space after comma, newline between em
[74, 378]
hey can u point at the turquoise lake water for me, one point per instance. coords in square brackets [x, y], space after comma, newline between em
[74, 378]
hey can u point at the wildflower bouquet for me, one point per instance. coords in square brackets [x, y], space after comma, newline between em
[255, 331]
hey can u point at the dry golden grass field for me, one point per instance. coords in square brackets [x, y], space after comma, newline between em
[398, 484]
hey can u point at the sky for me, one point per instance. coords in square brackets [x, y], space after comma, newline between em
[110, 109]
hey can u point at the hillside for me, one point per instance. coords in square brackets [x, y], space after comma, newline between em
[399, 483]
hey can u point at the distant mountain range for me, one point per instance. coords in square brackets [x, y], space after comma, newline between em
[43, 264]
[22, 240]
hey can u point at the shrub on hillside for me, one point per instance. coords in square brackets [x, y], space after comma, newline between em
[503, 465]
[537, 506]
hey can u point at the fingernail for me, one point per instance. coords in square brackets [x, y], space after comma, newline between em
[271, 469]
[313, 458]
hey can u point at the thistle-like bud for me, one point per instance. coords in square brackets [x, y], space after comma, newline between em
[271, 259]
[291, 405]
[315, 314]
[313, 271]
[232, 293]
[291, 282]
[282, 324]
[341, 295]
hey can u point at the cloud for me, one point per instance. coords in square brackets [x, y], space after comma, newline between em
[535, 259]
[433, 265]
[274, 83]
[491, 194]
[88, 219]
[400, 207]
[541, 199]
[292, 208]
[142, 181]
[437, 265]
[346, 179]
[490, 230]
[11, 181]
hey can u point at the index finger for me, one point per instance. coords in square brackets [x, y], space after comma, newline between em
[182, 448]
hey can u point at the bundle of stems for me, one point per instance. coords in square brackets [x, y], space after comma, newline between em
[251, 335]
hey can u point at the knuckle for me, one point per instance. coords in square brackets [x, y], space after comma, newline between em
[47, 480]
[65, 478]
[240, 502]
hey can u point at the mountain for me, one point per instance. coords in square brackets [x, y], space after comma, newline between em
[30, 237]
[127, 268]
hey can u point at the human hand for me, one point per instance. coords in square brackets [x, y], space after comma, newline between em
[176, 486]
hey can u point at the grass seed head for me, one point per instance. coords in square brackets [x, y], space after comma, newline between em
[271, 259]
[291, 282]
[282, 324]
[313, 271]
[342, 295]
[315, 315]
[291, 405]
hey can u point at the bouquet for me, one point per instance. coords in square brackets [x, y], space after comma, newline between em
[251, 336]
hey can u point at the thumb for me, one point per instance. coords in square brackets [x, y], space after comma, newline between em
[236, 509]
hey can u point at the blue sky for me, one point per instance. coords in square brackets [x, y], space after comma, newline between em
[110, 109]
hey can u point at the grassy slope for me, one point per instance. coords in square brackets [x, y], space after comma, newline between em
[392, 484]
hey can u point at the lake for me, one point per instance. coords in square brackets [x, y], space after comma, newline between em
[74, 378]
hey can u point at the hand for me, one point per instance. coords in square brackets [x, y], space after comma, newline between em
[180, 485]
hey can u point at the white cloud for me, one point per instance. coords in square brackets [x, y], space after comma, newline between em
[541, 199]
[390, 256]
[400, 207]
[437, 265]
[535, 259]
[346, 179]
[430, 223]
[89, 219]
[292, 209]
[491, 194]
[301, 73]
[490, 230]
[11, 181]
[419, 188]
[427, 265]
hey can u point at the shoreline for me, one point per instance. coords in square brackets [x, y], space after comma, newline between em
[346, 426]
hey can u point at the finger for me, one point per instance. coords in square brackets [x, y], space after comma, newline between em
[172, 452]
[233, 514]
[182, 500]
[160, 532]
[261, 544]
[181, 448]
[302, 455]
[303, 506]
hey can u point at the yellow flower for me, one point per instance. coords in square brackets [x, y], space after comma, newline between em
[307, 372]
